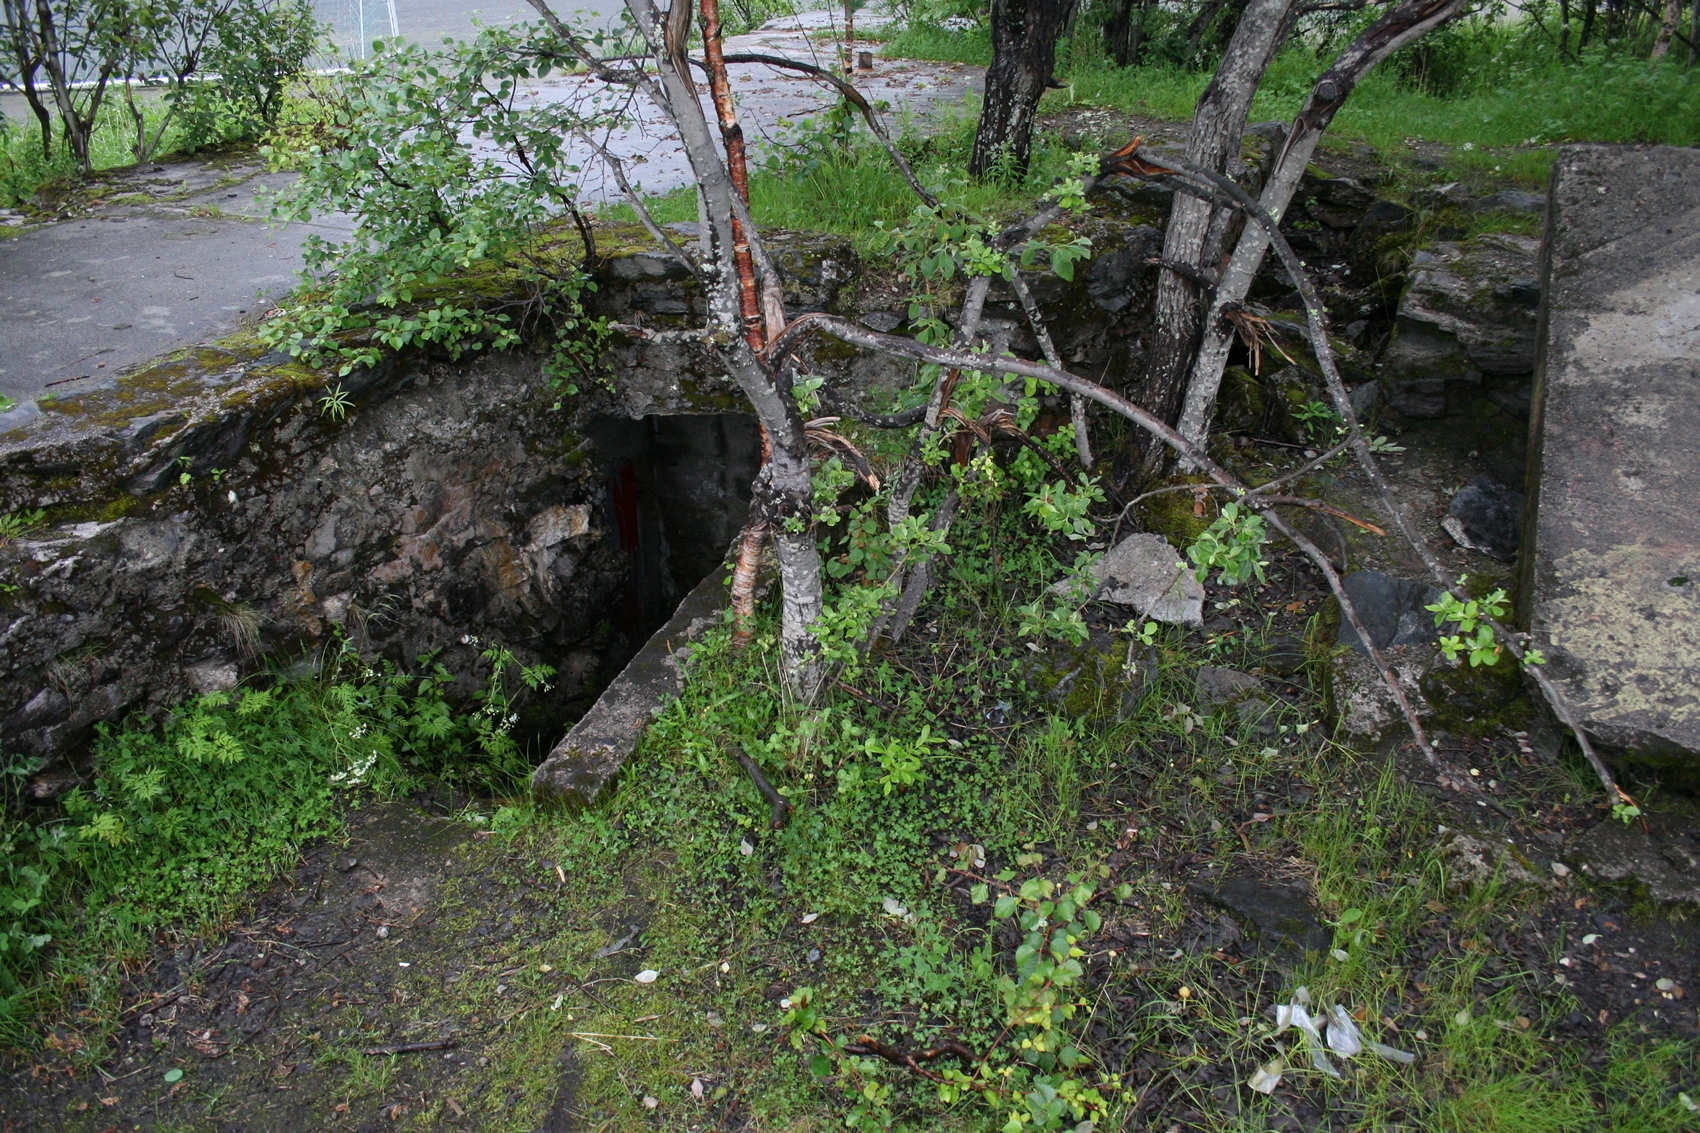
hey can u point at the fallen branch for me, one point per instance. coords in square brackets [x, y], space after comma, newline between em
[867, 1046]
[774, 799]
[410, 1048]
[1315, 315]
[858, 335]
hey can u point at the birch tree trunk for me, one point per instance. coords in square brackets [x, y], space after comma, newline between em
[1404, 25]
[1218, 127]
[785, 490]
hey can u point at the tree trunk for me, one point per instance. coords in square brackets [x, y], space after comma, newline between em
[1218, 126]
[1667, 28]
[1404, 25]
[784, 492]
[1123, 31]
[1024, 51]
[1589, 9]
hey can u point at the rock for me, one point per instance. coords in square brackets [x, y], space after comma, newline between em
[215, 675]
[1472, 861]
[1105, 675]
[1339, 202]
[1217, 688]
[1468, 309]
[1611, 562]
[590, 757]
[1486, 516]
[1143, 571]
[1276, 919]
[1359, 702]
[1510, 200]
[1113, 279]
[1391, 609]
[1664, 858]
[883, 321]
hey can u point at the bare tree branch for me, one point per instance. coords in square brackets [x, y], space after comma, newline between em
[618, 169]
[856, 99]
[1405, 24]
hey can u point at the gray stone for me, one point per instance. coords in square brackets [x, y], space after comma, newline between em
[590, 757]
[1217, 687]
[1468, 309]
[1612, 542]
[1360, 704]
[1510, 200]
[215, 675]
[1278, 920]
[1144, 572]
[1473, 860]
[1486, 516]
[1391, 609]
[1663, 857]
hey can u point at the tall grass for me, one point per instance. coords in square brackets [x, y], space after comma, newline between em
[24, 168]
[1485, 86]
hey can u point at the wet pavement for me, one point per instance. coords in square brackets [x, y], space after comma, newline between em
[180, 251]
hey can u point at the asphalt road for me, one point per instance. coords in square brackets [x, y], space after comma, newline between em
[179, 252]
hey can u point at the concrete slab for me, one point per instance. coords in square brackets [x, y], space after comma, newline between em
[177, 253]
[1611, 569]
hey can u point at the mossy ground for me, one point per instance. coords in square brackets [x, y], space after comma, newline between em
[519, 937]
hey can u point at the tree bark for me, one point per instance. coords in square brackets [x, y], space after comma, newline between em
[784, 492]
[1667, 28]
[1218, 127]
[1123, 32]
[1405, 24]
[1024, 51]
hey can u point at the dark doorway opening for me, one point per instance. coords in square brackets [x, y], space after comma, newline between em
[678, 494]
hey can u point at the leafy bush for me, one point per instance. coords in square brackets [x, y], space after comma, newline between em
[182, 822]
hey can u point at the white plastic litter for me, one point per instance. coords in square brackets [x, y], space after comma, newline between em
[1268, 1076]
[1342, 1037]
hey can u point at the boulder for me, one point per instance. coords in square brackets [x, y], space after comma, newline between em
[1611, 562]
[1393, 610]
[1144, 572]
[1469, 309]
[1486, 516]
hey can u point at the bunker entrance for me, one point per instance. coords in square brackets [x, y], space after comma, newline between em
[678, 490]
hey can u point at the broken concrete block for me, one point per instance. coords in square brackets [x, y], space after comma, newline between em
[588, 760]
[1611, 547]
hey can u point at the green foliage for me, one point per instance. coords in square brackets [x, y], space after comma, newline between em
[1232, 545]
[454, 179]
[1473, 636]
[181, 824]
[15, 523]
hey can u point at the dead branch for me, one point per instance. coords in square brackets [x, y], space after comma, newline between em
[1315, 315]
[618, 169]
[867, 1046]
[1404, 24]
[409, 1048]
[703, 336]
[904, 420]
[774, 799]
[857, 335]
[1076, 403]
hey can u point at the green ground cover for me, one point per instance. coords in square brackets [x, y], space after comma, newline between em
[1504, 95]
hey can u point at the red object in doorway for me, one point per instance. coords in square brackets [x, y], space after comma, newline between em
[622, 486]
